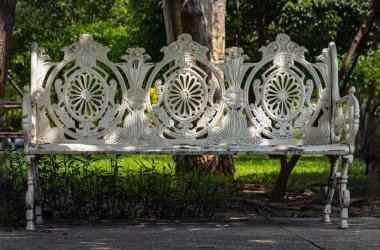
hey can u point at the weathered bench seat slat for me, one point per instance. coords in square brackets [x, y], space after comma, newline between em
[73, 148]
[282, 104]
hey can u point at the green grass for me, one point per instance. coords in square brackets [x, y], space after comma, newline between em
[309, 171]
[260, 169]
[133, 162]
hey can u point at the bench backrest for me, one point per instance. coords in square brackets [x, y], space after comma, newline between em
[184, 99]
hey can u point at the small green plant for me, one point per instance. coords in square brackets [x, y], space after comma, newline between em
[101, 186]
[12, 186]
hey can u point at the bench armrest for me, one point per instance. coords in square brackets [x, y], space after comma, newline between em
[26, 118]
[345, 119]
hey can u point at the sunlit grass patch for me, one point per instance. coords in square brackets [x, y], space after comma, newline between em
[310, 170]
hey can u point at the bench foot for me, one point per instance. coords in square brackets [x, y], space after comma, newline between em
[30, 193]
[39, 219]
[30, 226]
[343, 224]
[38, 199]
[344, 194]
[329, 190]
[325, 218]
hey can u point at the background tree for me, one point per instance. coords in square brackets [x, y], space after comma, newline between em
[358, 44]
[204, 20]
[7, 11]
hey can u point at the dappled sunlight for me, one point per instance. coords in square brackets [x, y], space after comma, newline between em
[95, 245]
[264, 241]
[60, 229]
[203, 229]
[14, 237]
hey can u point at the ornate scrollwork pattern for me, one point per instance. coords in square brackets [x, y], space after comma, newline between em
[80, 92]
[185, 107]
[234, 129]
[281, 99]
[283, 84]
[346, 121]
[185, 95]
[86, 96]
[283, 95]
[136, 129]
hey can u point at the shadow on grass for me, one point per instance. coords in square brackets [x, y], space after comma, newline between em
[309, 171]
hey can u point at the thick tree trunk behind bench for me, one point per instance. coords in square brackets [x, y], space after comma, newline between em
[204, 20]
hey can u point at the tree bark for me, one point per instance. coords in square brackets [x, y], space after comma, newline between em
[281, 186]
[7, 12]
[359, 39]
[259, 9]
[204, 20]
[258, 12]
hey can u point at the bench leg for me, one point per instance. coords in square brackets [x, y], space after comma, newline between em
[330, 190]
[29, 197]
[37, 195]
[344, 192]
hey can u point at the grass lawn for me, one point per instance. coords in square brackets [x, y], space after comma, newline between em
[260, 169]
[256, 176]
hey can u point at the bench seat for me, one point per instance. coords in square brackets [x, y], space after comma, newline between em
[73, 148]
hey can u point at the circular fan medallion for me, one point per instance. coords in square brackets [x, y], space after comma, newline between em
[283, 95]
[86, 96]
[185, 96]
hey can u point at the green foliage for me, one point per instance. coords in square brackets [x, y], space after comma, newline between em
[12, 186]
[13, 118]
[311, 23]
[85, 187]
[366, 78]
[118, 24]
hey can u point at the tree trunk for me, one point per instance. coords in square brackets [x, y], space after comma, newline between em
[204, 20]
[363, 135]
[7, 12]
[258, 12]
[281, 186]
[359, 38]
[259, 9]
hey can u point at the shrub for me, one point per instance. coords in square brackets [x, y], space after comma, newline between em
[99, 186]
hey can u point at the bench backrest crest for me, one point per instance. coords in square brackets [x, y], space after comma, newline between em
[183, 99]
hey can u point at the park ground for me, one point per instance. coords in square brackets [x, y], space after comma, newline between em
[247, 221]
[229, 233]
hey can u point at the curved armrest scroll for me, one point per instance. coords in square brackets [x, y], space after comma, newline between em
[346, 119]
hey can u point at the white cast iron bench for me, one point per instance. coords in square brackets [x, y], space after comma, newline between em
[88, 104]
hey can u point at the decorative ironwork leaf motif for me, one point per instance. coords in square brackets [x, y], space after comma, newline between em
[89, 98]
[185, 91]
[283, 83]
[261, 116]
[46, 134]
[136, 131]
[303, 118]
[136, 127]
[80, 91]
